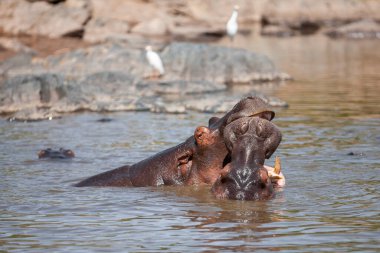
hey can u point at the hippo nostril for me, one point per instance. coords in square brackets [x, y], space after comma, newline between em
[240, 195]
[243, 175]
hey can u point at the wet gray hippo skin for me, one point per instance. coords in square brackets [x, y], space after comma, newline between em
[56, 154]
[250, 140]
[198, 160]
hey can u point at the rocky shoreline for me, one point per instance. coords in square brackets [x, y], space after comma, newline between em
[97, 62]
[112, 77]
[98, 21]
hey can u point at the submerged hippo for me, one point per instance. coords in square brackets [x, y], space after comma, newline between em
[56, 154]
[250, 141]
[198, 160]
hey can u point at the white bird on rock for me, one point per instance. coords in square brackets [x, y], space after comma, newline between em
[154, 60]
[232, 25]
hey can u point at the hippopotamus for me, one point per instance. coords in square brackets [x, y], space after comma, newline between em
[56, 154]
[250, 140]
[197, 160]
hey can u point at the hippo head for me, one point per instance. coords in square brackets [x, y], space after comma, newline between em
[249, 140]
[56, 154]
[204, 163]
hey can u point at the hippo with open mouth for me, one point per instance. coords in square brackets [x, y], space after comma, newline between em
[198, 160]
[250, 140]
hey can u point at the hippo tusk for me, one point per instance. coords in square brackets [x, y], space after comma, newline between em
[273, 176]
[275, 173]
[271, 172]
[277, 165]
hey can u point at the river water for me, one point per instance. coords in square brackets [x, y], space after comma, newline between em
[330, 156]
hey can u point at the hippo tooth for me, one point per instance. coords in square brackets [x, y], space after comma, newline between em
[277, 165]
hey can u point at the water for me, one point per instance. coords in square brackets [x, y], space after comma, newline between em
[330, 202]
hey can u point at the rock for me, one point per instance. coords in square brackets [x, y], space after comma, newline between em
[182, 61]
[83, 62]
[99, 92]
[49, 1]
[152, 27]
[210, 103]
[298, 13]
[63, 19]
[217, 64]
[362, 29]
[189, 29]
[19, 61]
[110, 77]
[132, 11]
[19, 16]
[182, 19]
[15, 45]
[77, 4]
[182, 87]
[99, 29]
[29, 91]
[47, 96]
[173, 108]
[34, 114]
[277, 31]
[220, 11]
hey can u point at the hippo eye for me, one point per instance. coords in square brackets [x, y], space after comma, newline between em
[69, 153]
[41, 154]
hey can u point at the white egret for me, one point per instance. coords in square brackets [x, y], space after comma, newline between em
[154, 60]
[232, 25]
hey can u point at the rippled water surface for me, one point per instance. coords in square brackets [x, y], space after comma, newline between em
[330, 155]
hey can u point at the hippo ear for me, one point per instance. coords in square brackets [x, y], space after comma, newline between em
[203, 136]
[69, 153]
[226, 170]
[212, 120]
[41, 154]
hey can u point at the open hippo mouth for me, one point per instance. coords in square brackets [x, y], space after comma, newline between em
[249, 140]
[205, 160]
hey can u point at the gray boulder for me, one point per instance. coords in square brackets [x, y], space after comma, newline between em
[111, 77]
[46, 94]
[182, 61]
[19, 61]
[188, 61]
[34, 91]
[223, 102]
[84, 62]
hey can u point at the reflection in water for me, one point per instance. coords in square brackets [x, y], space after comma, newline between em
[330, 156]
